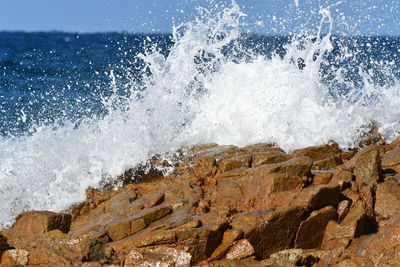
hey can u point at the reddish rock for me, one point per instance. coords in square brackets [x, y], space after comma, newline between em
[261, 158]
[31, 225]
[366, 165]
[321, 178]
[262, 147]
[356, 218]
[229, 164]
[228, 240]
[391, 160]
[337, 236]
[160, 256]
[327, 164]
[297, 257]
[317, 152]
[343, 176]
[387, 199]
[296, 167]
[269, 231]
[240, 250]
[343, 209]
[14, 257]
[311, 230]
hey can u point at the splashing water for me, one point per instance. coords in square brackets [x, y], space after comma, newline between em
[209, 88]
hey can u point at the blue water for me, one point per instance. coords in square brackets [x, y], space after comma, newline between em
[50, 77]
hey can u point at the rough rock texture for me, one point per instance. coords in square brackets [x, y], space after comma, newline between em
[228, 206]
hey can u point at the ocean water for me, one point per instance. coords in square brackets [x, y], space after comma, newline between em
[78, 109]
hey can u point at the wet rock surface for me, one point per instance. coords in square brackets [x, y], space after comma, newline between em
[228, 206]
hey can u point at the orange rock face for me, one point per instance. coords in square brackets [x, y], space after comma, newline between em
[228, 206]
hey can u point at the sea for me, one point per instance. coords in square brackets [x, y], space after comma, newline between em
[79, 109]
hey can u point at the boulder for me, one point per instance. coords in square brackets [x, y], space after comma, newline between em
[297, 257]
[387, 199]
[327, 164]
[14, 257]
[391, 160]
[295, 167]
[366, 166]
[271, 157]
[311, 231]
[269, 231]
[240, 250]
[30, 225]
[317, 152]
[322, 178]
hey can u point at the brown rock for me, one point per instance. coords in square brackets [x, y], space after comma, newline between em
[240, 250]
[46, 257]
[337, 236]
[228, 239]
[387, 199]
[14, 257]
[366, 165]
[262, 147]
[206, 160]
[137, 222]
[343, 176]
[321, 178]
[343, 209]
[311, 231]
[159, 256]
[31, 225]
[327, 164]
[261, 158]
[295, 167]
[356, 218]
[269, 231]
[297, 257]
[229, 164]
[317, 152]
[392, 160]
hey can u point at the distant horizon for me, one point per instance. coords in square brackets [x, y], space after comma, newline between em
[170, 33]
[275, 17]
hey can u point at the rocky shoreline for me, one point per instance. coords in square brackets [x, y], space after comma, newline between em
[230, 206]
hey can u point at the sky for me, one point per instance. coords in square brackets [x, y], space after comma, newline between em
[371, 17]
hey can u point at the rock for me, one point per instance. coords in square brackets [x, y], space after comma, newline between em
[387, 199]
[327, 164]
[297, 257]
[321, 178]
[31, 225]
[356, 218]
[343, 176]
[337, 236]
[240, 250]
[311, 230]
[14, 257]
[137, 222]
[229, 164]
[46, 257]
[391, 160]
[269, 231]
[228, 239]
[262, 147]
[317, 152]
[295, 167]
[160, 256]
[366, 165]
[261, 158]
[3, 244]
[206, 160]
[343, 209]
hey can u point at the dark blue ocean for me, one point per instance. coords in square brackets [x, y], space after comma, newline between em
[51, 77]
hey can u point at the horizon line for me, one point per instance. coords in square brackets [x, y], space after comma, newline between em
[170, 33]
